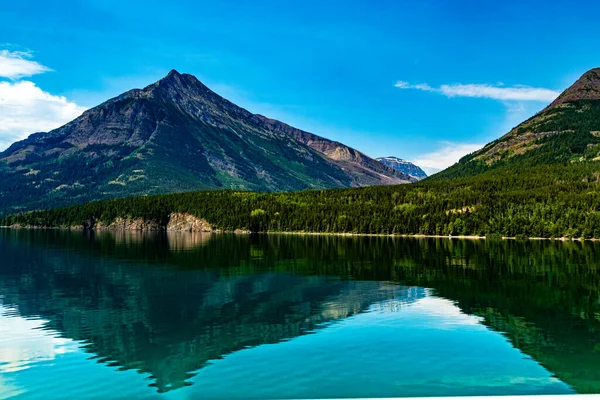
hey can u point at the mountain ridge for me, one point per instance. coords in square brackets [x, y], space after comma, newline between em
[404, 166]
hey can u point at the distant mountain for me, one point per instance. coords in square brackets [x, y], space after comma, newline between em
[567, 131]
[403, 166]
[175, 135]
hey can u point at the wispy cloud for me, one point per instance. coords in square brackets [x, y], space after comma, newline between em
[18, 64]
[24, 107]
[496, 92]
[446, 155]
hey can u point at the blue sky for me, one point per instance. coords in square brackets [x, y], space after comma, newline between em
[423, 80]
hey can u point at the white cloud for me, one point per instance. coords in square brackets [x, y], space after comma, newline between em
[430, 170]
[25, 109]
[424, 86]
[521, 93]
[25, 341]
[17, 64]
[498, 92]
[444, 313]
[444, 157]
[403, 85]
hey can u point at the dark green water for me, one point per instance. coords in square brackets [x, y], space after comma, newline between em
[130, 315]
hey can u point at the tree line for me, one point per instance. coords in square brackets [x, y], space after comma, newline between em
[557, 200]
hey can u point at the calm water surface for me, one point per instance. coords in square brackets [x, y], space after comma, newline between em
[130, 315]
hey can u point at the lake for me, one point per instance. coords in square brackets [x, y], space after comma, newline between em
[218, 316]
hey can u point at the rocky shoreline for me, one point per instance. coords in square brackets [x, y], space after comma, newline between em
[178, 222]
[182, 222]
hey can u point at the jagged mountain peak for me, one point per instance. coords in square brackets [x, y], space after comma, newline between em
[403, 166]
[394, 158]
[587, 87]
[176, 81]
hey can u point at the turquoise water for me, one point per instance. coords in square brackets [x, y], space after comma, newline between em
[126, 315]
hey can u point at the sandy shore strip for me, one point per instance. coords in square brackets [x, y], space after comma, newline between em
[301, 233]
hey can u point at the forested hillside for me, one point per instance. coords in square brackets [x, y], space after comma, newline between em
[561, 200]
[567, 131]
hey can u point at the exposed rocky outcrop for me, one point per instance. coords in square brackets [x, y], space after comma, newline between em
[129, 224]
[188, 223]
[178, 222]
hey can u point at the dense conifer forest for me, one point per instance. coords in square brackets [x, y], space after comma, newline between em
[557, 200]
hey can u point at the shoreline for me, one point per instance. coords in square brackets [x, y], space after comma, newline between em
[300, 233]
[417, 236]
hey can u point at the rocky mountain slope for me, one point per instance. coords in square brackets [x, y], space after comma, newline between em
[175, 135]
[567, 131]
[363, 168]
[403, 166]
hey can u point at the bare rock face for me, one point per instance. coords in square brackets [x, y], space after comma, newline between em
[178, 222]
[130, 224]
[403, 166]
[188, 223]
[362, 169]
[585, 88]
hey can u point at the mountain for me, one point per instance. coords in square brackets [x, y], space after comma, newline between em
[403, 166]
[566, 131]
[175, 135]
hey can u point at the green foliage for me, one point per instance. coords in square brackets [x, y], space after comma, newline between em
[560, 135]
[257, 213]
[543, 201]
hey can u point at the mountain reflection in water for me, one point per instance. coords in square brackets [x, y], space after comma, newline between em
[168, 305]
